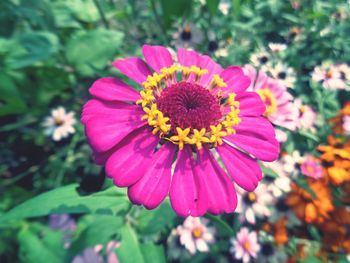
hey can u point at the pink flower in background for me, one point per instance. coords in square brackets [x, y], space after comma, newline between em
[93, 254]
[346, 125]
[137, 135]
[195, 235]
[307, 116]
[311, 167]
[330, 76]
[245, 246]
[280, 109]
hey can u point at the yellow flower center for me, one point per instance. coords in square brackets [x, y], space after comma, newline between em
[269, 100]
[163, 124]
[197, 232]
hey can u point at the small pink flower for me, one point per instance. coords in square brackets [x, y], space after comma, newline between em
[139, 135]
[245, 246]
[307, 116]
[195, 235]
[330, 76]
[278, 101]
[346, 125]
[311, 167]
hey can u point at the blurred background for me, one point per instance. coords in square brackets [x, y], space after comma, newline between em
[51, 51]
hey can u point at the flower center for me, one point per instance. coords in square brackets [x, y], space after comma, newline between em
[246, 245]
[186, 34]
[184, 112]
[250, 198]
[189, 105]
[58, 121]
[282, 75]
[197, 232]
[269, 100]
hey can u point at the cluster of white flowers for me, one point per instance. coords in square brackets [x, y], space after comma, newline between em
[334, 77]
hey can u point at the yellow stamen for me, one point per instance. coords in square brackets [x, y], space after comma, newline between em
[147, 98]
[217, 81]
[182, 137]
[216, 134]
[198, 138]
[269, 100]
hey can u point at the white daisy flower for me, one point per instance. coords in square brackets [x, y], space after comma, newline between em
[224, 7]
[254, 204]
[284, 74]
[188, 36]
[195, 235]
[261, 59]
[60, 124]
[277, 47]
[245, 246]
[291, 162]
[279, 185]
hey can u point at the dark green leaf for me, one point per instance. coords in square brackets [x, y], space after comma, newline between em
[66, 199]
[212, 6]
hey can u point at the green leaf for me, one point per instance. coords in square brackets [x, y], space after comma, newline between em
[153, 253]
[129, 250]
[221, 224]
[175, 9]
[154, 221]
[268, 171]
[38, 244]
[98, 230]
[31, 48]
[91, 50]
[11, 101]
[309, 135]
[66, 199]
[212, 6]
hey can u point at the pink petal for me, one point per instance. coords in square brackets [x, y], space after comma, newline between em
[235, 79]
[153, 187]
[131, 159]
[186, 197]
[244, 170]
[135, 68]
[250, 104]
[221, 195]
[106, 124]
[190, 58]
[261, 126]
[157, 57]
[112, 89]
[258, 140]
[187, 58]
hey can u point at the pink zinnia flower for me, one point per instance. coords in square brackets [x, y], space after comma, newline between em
[312, 167]
[307, 116]
[193, 107]
[278, 101]
[245, 245]
[195, 235]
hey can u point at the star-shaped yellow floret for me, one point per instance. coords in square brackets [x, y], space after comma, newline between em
[181, 137]
[231, 100]
[151, 114]
[216, 134]
[198, 138]
[217, 81]
[147, 98]
[161, 124]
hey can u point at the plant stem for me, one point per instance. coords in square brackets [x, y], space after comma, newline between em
[102, 14]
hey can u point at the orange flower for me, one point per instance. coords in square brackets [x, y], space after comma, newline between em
[337, 121]
[336, 160]
[334, 230]
[307, 208]
[281, 233]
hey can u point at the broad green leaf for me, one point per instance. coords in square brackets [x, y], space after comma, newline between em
[91, 50]
[30, 48]
[39, 244]
[212, 6]
[66, 199]
[129, 250]
[153, 253]
[99, 230]
[154, 221]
